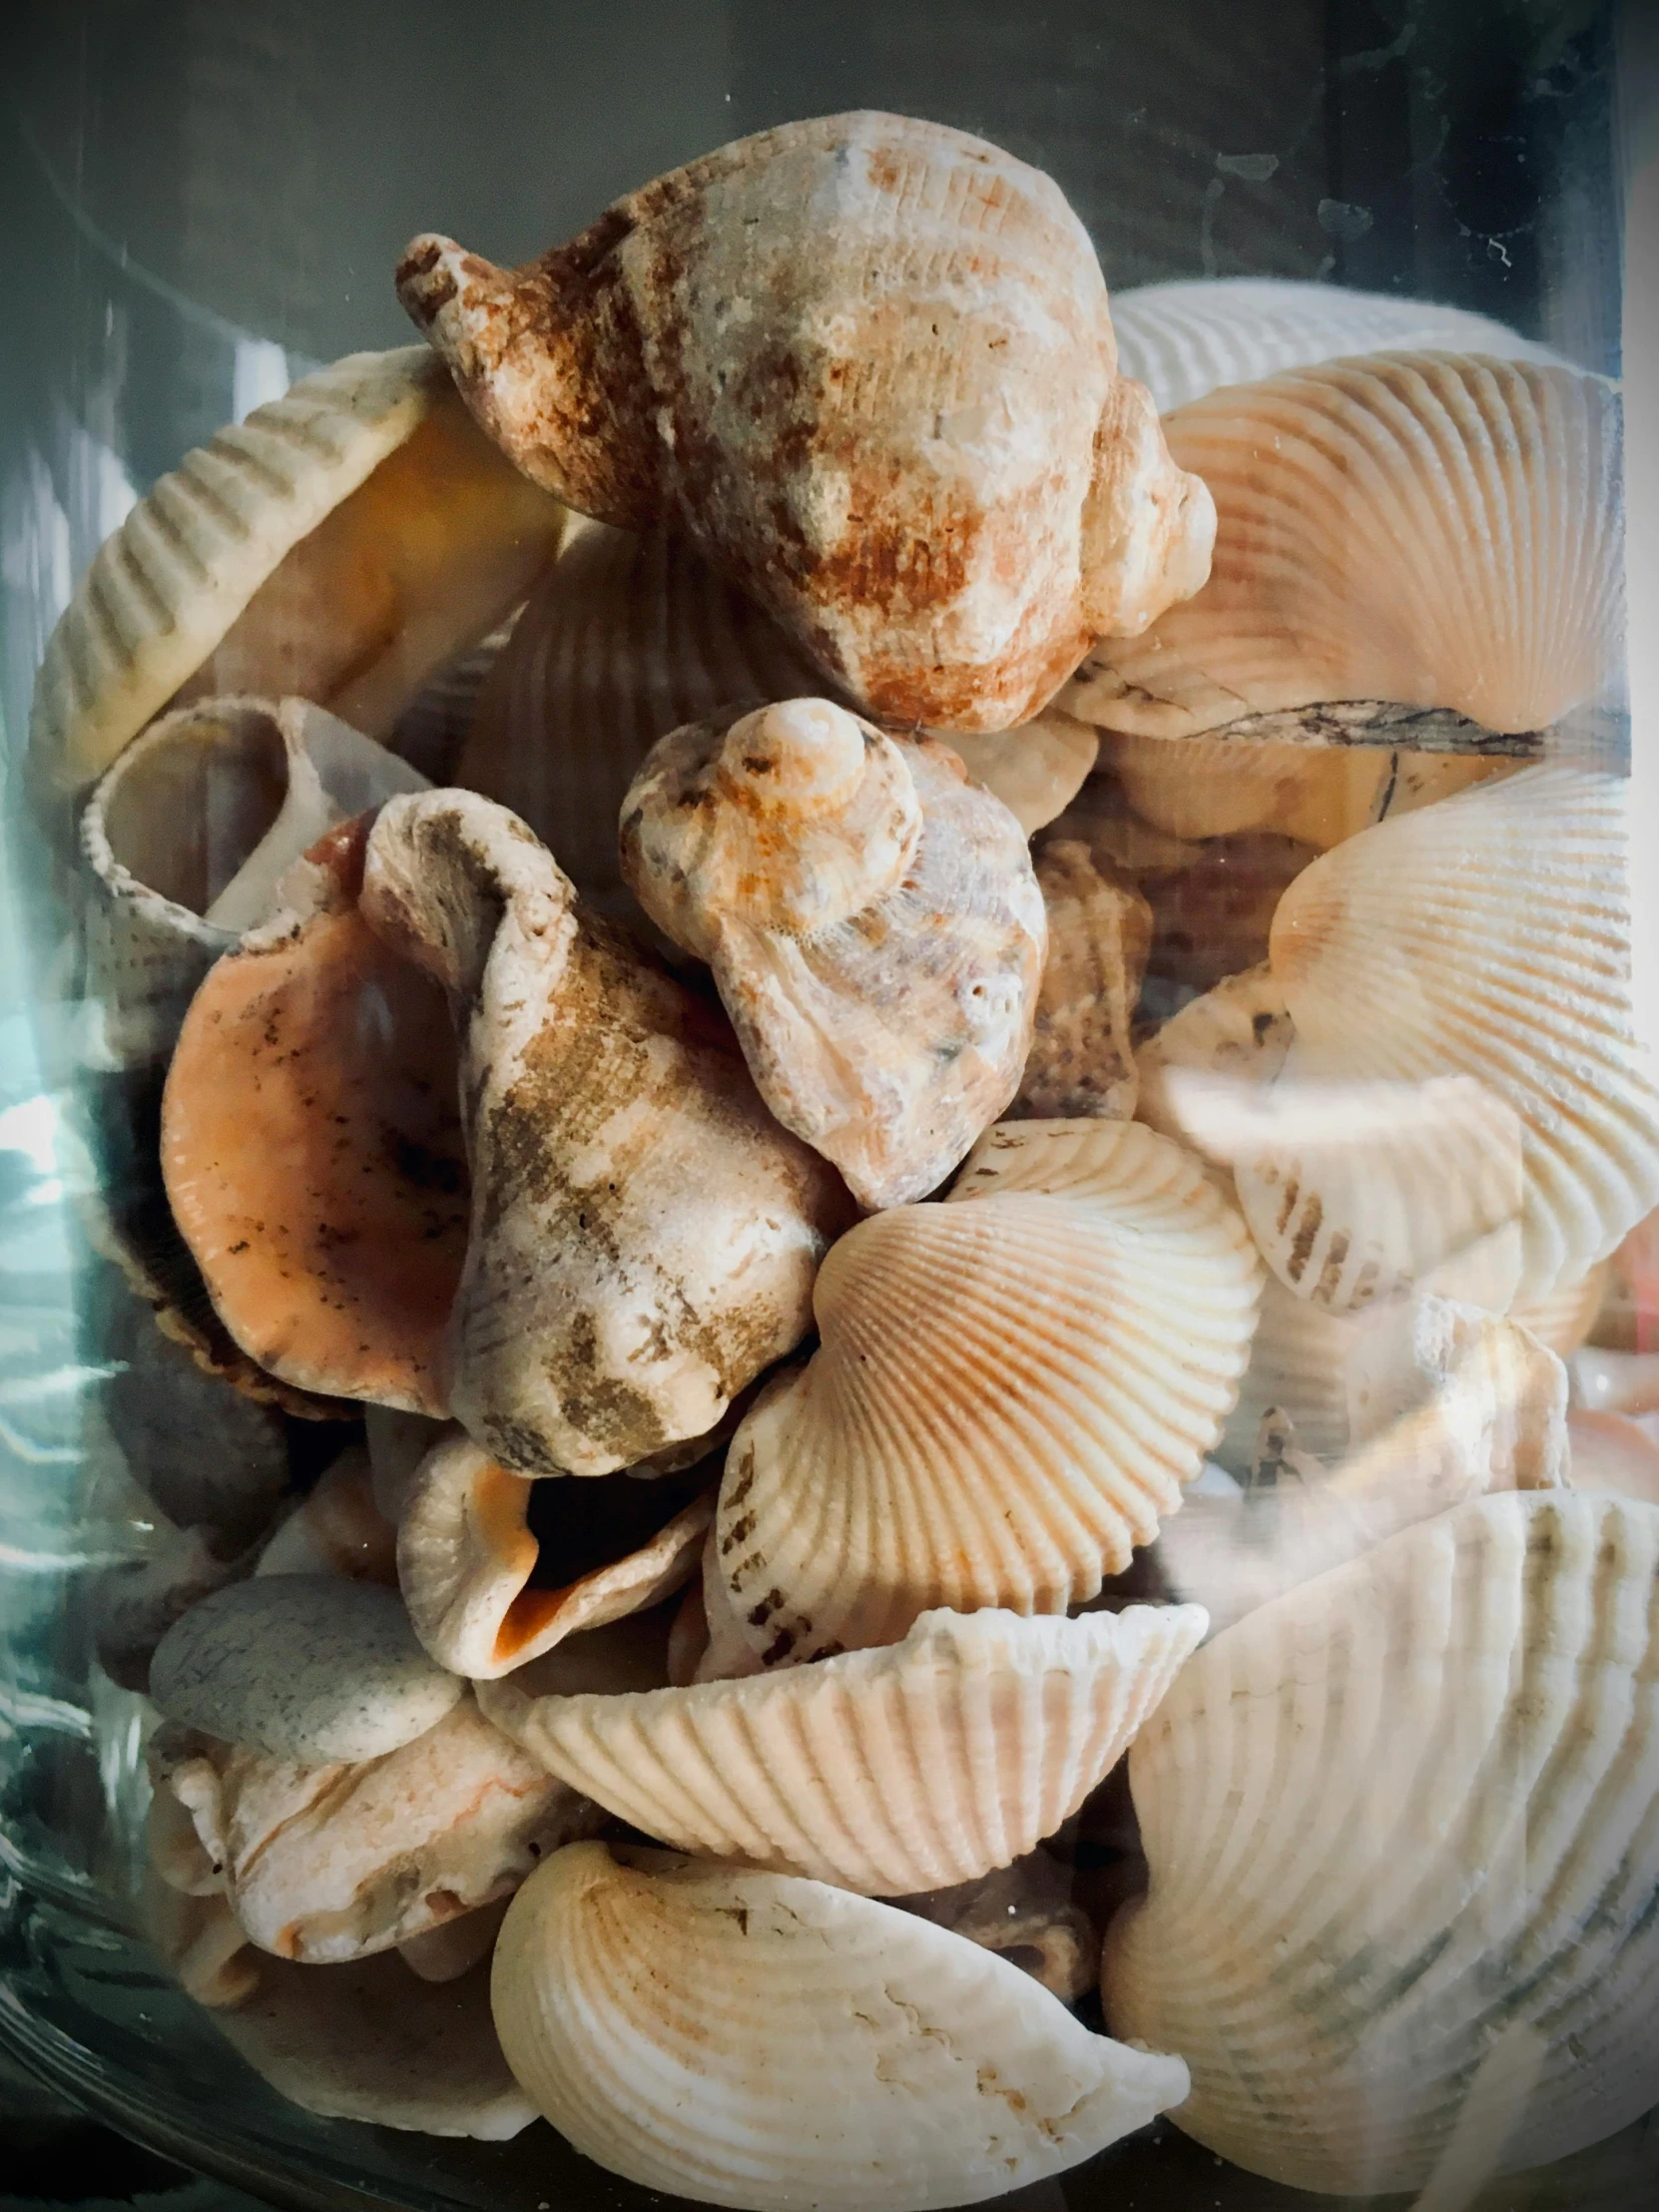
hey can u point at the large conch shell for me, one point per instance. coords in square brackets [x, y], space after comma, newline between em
[338, 545]
[873, 921]
[644, 1235]
[1011, 1390]
[1438, 530]
[750, 2039]
[1489, 937]
[1082, 1059]
[187, 837]
[865, 363]
[912, 1768]
[1397, 1822]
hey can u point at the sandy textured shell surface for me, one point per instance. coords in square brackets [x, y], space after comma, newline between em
[466, 1554]
[339, 544]
[1405, 1813]
[1082, 1059]
[312, 1150]
[865, 363]
[187, 837]
[1239, 1033]
[1489, 937]
[644, 1235]
[327, 1862]
[709, 2032]
[1440, 530]
[923, 1765]
[873, 921]
[1011, 1392]
[1037, 770]
[1181, 339]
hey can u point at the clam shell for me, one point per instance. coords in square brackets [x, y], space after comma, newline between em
[1037, 770]
[709, 2032]
[1408, 1807]
[1011, 1392]
[1181, 339]
[1438, 530]
[1489, 937]
[339, 544]
[1082, 1061]
[912, 1768]
[466, 1554]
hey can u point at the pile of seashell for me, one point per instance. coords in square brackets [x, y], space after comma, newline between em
[990, 1120]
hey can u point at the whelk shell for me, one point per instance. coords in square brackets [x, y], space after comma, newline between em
[338, 545]
[1408, 1807]
[912, 1768]
[1437, 530]
[711, 2032]
[1011, 1390]
[807, 350]
[872, 919]
[1082, 1061]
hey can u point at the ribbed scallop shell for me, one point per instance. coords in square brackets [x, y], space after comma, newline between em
[1011, 1388]
[912, 1768]
[751, 2041]
[1489, 936]
[1181, 339]
[1435, 529]
[1402, 1814]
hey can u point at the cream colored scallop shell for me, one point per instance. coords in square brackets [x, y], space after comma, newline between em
[911, 1768]
[752, 2040]
[1435, 529]
[1408, 1810]
[1011, 1392]
[1181, 339]
[1489, 937]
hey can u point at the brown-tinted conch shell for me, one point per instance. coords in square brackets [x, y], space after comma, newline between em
[1436, 531]
[1401, 1833]
[338, 545]
[644, 1235]
[865, 363]
[187, 837]
[1082, 1060]
[873, 921]
[911, 1768]
[487, 1590]
[1011, 1390]
[312, 1150]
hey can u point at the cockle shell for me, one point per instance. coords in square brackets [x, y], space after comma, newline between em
[865, 363]
[713, 2033]
[644, 1235]
[1403, 1811]
[1011, 1390]
[1440, 530]
[1025, 1914]
[1181, 339]
[1037, 770]
[1082, 1061]
[912, 1768]
[1565, 1319]
[312, 1146]
[334, 1862]
[873, 926]
[466, 1554]
[338, 545]
[1489, 936]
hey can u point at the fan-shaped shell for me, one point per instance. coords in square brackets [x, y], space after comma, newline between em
[864, 362]
[713, 2033]
[1181, 339]
[339, 544]
[911, 1768]
[873, 921]
[1011, 1390]
[1440, 530]
[1402, 1812]
[1082, 1061]
[1489, 936]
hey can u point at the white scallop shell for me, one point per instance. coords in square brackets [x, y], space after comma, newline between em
[915, 1767]
[1011, 1390]
[1408, 1810]
[1565, 1317]
[751, 2041]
